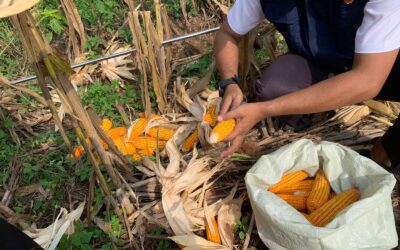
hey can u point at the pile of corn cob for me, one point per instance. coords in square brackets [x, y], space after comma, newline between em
[141, 140]
[314, 198]
[136, 140]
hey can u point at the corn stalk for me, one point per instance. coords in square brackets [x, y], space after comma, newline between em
[152, 56]
[47, 64]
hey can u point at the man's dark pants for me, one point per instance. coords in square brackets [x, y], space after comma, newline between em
[290, 73]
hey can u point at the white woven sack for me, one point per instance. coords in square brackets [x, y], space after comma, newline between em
[367, 224]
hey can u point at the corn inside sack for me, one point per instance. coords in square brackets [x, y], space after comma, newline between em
[365, 224]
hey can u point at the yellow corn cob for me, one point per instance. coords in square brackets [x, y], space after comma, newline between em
[161, 133]
[213, 231]
[222, 130]
[143, 115]
[147, 152]
[305, 215]
[119, 143]
[116, 132]
[137, 128]
[319, 194]
[288, 180]
[149, 143]
[296, 201]
[325, 214]
[188, 144]
[136, 156]
[130, 148]
[106, 124]
[78, 152]
[302, 186]
[211, 116]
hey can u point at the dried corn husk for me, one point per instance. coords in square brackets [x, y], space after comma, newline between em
[191, 242]
[14, 7]
[49, 237]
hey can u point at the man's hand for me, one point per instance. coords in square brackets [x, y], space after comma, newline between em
[233, 97]
[247, 116]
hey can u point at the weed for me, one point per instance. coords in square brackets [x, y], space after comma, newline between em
[242, 226]
[200, 68]
[84, 238]
[103, 97]
[174, 8]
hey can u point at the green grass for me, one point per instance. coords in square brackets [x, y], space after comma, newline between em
[199, 68]
[102, 97]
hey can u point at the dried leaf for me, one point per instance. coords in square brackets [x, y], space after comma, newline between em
[116, 68]
[14, 7]
[353, 114]
[228, 215]
[380, 108]
[49, 237]
[192, 241]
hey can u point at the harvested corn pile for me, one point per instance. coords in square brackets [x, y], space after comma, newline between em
[133, 141]
[313, 197]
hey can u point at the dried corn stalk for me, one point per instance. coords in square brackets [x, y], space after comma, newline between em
[46, 63]
[152, 56]
[77, 36]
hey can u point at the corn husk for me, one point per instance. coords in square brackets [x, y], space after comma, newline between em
[49, 237]
[194, 242]
[14, 7]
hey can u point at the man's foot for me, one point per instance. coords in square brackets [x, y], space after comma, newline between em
[379, 155]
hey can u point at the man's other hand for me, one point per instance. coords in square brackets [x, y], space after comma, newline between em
[232, 99]
[247, 116]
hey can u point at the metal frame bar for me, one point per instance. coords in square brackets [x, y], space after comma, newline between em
[123, 53]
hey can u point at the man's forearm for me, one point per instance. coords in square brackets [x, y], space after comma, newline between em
[345, 89]
[226, 54]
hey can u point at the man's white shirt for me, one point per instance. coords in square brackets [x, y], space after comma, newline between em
[379, 31]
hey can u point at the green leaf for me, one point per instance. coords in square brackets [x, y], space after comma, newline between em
[242, 235]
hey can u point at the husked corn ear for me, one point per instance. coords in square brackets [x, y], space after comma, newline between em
[211, 116]
[147, 152]
[116, 132]
[297, 201]
[130, 148]
[119, 143]
[161, 133]
[106, 124]
[222, 130]
[212, 231]
[288, 180]
[302, 186]
[150, 143]
[137, 128]
[143, 115]
[319, 194]
[136, 156]
[325, 214]
[188, 144]
[78, 150]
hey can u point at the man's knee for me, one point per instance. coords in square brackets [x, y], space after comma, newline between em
[287, 74]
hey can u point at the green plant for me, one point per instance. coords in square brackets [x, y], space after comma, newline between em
[161, 244]
[52, 22]
[242, 226]
[103, 97]
[200, 68]
[174, 8]
[85, 238]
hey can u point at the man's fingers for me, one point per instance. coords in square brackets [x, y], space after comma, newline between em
[234, 147]
[225, 105]
[236, 103]
[229, 115]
